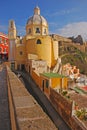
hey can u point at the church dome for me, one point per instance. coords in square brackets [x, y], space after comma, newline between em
[37, 18]
[37, 24]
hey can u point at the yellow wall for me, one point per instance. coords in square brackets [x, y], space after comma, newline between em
[31, 46]
[64, 83]
[54, 53]
[44, 49]
[59, 82]
[55, 82]
[20, 48]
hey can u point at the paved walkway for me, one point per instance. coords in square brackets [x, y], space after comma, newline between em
[42, 99]
[4, 110]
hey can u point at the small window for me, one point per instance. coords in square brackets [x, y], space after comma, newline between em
[21, 53]
[45, 31]
[38, 41]
[37, 30]
[29, 31]
[47, 83]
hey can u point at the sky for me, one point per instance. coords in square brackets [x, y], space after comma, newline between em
[65, 17]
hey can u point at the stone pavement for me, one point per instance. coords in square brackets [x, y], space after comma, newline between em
[28, 113]
[4, 109]
[44, 102]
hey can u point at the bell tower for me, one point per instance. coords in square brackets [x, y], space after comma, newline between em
[12, 40]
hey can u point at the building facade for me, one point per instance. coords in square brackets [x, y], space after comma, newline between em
[3, 46]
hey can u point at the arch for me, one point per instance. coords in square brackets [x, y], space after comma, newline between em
[38, 41]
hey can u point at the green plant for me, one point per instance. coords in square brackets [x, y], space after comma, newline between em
[82, 114]
[78, 113]
[64, 93]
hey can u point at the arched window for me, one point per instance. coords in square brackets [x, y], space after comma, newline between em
[37, 30]
[38, 41]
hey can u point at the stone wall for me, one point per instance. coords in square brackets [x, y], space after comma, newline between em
[64, 107]
[60, 102]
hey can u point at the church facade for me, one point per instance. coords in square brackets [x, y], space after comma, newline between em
[37, 44]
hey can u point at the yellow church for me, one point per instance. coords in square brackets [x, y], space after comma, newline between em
[37, 45]
[37, 52]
